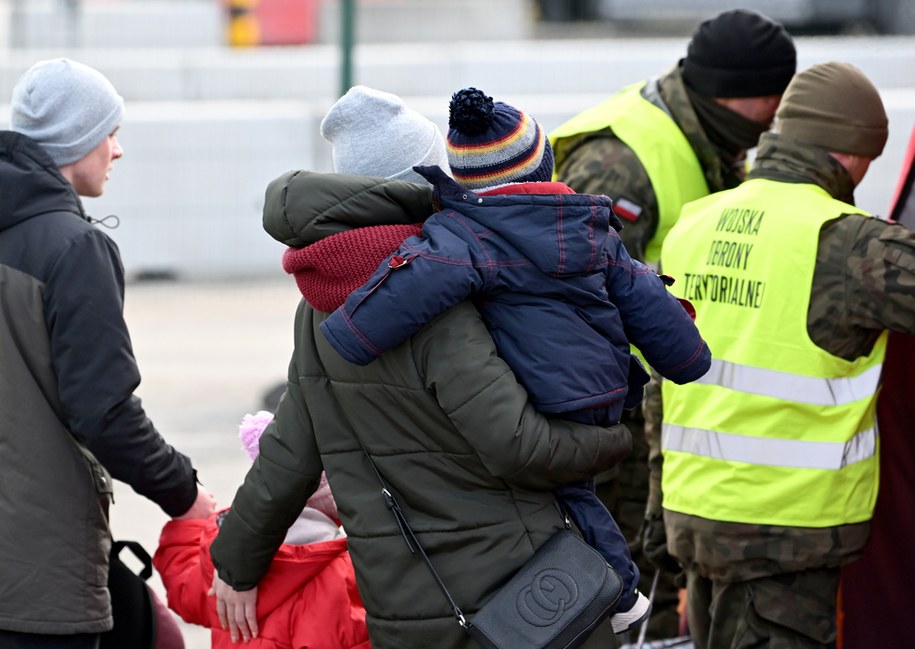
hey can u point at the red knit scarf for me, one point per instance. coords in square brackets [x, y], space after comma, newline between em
[326, 272]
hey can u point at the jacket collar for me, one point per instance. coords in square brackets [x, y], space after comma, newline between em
[446, 190]
[528, 188]
[671, 91]
[787, 160]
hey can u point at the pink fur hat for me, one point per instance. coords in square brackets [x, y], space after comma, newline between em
[250, 431]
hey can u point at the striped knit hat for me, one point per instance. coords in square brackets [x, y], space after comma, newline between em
[491, 143]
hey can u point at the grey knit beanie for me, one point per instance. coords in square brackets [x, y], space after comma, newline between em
[65, 106]
[374, 133]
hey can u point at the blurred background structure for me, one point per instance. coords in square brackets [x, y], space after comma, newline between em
[807, 16]
[225, 95]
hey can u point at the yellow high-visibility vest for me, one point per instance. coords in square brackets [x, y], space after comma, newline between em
[667, 156]
[779, 431]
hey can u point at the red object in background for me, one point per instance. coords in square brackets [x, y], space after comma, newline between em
[271, 22]
[903, 206]
[287, 22]
[878, 590]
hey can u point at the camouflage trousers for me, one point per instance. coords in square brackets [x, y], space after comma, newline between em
[789, 611]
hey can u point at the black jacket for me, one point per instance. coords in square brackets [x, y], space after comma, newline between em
[68, 413]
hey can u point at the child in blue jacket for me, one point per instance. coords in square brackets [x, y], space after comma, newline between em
[554, 284]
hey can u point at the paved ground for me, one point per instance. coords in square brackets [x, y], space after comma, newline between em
[208, 353]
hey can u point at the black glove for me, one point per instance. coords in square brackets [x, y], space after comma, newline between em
[654, 545]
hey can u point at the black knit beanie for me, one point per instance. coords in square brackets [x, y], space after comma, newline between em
[739, 53]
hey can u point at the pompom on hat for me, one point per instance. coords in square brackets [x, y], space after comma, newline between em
[374, 133]
[834, 106]
[491, 143]
[739, 53]
[250, 431]
[66, 107]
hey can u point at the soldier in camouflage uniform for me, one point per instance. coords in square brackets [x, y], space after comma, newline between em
[719, 99]
[752, 579]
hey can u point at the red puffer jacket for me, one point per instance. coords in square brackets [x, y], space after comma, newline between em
[307, 600]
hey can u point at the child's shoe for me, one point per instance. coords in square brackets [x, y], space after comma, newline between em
[637, 612]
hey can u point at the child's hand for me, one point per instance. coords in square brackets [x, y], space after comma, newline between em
[236, 610]
[204, 505]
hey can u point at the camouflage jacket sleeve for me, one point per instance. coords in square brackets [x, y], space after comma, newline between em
[652, 411]
[602, 164]
[864, 282]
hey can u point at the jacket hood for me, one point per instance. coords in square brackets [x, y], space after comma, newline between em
[561, 233]
[30, 182]
[303, 207]
[293, 566]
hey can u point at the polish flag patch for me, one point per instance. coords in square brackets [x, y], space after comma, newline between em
[626, 209]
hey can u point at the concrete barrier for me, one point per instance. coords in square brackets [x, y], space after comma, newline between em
[150, 23]
[207, 128]
[416, 69]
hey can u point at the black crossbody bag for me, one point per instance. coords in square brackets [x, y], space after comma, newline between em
[555, 601]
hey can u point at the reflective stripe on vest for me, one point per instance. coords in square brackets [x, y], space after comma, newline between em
[793, 387]
[829, 456]
[667, 156]
[779, 431]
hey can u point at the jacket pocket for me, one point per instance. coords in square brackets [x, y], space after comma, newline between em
[100, 476]
[809, 614]
[898, 253]
[98, 534]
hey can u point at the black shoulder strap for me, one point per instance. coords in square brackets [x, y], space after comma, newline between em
[132, 605]
[412, 542]
[139, 552]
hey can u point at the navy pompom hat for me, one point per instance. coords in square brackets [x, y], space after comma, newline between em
[491, 143]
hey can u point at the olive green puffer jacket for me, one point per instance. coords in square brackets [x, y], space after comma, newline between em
[472, 463]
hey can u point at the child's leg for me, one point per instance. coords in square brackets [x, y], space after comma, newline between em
[601, 532]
